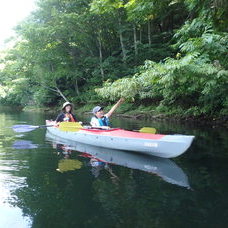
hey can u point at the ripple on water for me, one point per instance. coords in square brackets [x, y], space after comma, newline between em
[8, 184]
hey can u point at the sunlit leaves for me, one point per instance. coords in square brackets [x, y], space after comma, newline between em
[126, 88]
[105, 6]
[140, 11]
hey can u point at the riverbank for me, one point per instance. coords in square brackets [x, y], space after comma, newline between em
[130, 110]
[150, 112]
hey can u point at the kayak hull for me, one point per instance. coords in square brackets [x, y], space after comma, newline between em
[166, 146]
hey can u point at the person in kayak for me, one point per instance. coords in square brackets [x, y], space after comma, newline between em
[66, 115]
[100, 119]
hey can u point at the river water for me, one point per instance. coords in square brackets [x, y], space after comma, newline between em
[45, 182]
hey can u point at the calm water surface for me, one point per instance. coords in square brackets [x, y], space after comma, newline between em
[46, 182]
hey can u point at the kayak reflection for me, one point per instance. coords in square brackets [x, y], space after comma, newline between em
[100, 157]
[67, 164]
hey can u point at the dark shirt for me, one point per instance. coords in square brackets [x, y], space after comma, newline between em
[61, 116]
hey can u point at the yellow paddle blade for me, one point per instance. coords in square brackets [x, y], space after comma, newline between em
[150, 130]
[70, 126]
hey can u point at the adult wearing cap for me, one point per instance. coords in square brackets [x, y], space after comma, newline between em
[100, 118]
[66, 115]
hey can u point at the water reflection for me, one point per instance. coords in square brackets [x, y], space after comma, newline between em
[67, 164]
[11, 215]
[24, 144]
[101, 158]
[119, 197]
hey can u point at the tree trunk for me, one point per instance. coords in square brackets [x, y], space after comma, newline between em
[76, 87]
[60, 93]
[76, 79]
[51, 67]
[56, 90]
[149, 32]
[160, 27]
[100, 56]
[140, 34]
[135, 41]
[121, 40]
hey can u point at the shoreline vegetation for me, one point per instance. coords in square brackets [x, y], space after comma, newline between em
[168, 59]
[142, 112]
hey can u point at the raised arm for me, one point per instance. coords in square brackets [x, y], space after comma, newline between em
[119, 102]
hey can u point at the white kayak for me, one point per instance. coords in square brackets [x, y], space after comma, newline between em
[166, 146]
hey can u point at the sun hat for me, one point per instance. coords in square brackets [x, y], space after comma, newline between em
[65, 104]
[97, 109]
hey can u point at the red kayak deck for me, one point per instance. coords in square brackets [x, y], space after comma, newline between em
[123, 133]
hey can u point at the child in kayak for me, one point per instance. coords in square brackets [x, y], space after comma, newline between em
[100, 119]
[66, 115]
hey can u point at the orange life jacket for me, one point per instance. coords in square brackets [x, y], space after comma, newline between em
[71, 118]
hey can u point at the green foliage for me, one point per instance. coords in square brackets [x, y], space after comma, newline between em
[140, 11]
[214, 12]
[126, 88]
[105, 6]
[15, 92]
[189, 81]
[194, 83]
[70, 48]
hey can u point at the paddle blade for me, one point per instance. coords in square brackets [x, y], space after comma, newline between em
[70, 126]
[150, 130]
[24, 128]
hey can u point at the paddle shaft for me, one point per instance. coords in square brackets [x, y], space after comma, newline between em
[71, 126]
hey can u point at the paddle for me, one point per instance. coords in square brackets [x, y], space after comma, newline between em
[75, 126]
[71, 126]
[150, 130]
[65, 126]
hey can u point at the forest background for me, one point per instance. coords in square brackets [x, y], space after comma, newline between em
[162, 56]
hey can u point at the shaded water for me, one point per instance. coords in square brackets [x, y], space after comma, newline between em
[44, 182]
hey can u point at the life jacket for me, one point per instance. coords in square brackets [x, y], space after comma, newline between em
[104, 121]
[70, 117]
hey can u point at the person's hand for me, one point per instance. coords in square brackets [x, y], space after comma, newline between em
[121, 100]
[56, 124]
